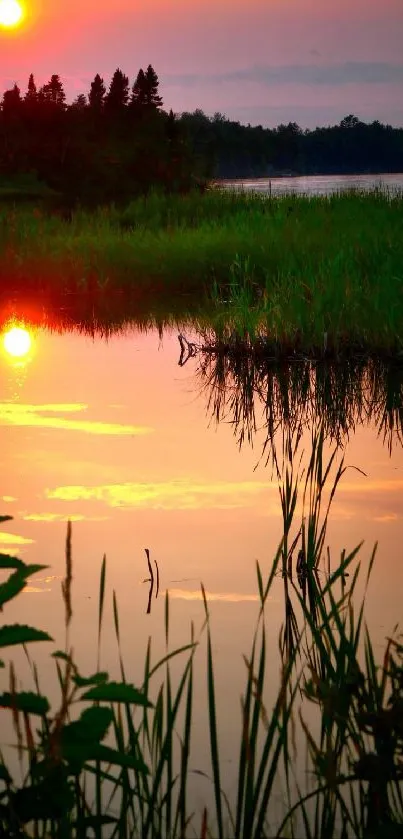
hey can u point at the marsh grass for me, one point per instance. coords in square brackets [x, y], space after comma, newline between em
[318, 274]
[120, 767]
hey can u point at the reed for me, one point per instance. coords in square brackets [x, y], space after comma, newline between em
[113, 759]
[313, 274]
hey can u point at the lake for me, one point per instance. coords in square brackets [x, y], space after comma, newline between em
[318, 184]
[117, 437]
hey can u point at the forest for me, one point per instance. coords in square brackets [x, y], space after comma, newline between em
[114, 143]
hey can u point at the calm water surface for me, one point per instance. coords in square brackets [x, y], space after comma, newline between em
[319, 184]
[117, 437]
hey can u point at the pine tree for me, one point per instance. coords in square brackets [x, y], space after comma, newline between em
[139, 97]
[97, 94]
[32, 93]
[153, 100]
[54, 92]
[11, 104]
[118, 93]
[80, 102]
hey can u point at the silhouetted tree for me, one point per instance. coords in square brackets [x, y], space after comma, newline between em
[97, 94]
[95, 158]
[118, 93]
[31, 95]
[53, 91]
[349, 121]
[80, 102]
[172, 128]
[11, 104]
[138, 98]
[151, 86]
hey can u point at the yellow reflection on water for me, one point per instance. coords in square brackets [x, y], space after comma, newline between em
[45, 416]
[17, 342]
[175, 494]
[7, 539]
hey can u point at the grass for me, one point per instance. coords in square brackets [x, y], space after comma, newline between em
[318, 274]
[112, 759]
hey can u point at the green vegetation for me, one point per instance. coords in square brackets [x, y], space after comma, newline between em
[113, 759]
[318, 275]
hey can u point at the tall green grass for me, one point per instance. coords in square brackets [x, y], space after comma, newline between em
[317, 274]
[113, 759]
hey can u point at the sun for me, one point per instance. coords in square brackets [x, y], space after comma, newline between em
[17, 342]
[11, 13]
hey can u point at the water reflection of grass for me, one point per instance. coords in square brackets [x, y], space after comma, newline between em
[245, 385]
[317, 274]
[124, 762]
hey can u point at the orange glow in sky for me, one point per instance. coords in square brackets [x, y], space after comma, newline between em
[11, 13]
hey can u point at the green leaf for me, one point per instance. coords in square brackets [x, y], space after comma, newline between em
[91, 727]
[52, 798]
[64, 656]
[31, 703]
[115, 758]
[79, 740]
[117, 692]
[7, 561]
[18, 634]
[96, 679]
[13, 586]
[27, 570]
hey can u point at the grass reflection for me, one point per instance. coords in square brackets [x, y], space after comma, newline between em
[244, 385]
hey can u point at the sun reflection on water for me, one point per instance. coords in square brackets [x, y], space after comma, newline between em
[17, 341]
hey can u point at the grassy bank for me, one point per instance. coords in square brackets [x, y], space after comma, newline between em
[311, 273]
[113, 760]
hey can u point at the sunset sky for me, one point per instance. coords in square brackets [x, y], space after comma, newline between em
[261, 61]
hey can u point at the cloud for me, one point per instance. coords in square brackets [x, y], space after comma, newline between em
[171, 495]
[348, 72]
[37, 415]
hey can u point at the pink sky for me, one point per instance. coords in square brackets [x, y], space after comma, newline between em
[265, 61]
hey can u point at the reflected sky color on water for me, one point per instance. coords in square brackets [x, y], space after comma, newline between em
[318, 184]
[117, 437]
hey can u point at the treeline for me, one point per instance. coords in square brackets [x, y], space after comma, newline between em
[117, 142]
[351, 147]
[107, 145]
